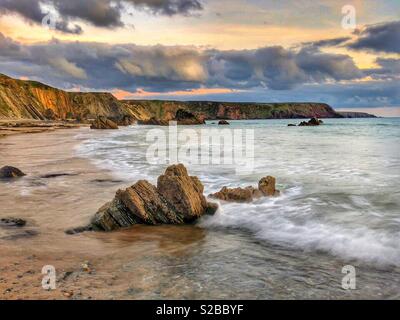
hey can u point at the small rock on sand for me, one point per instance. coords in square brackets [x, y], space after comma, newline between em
[8, 172]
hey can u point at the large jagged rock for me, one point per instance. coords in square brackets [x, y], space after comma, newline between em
[183, 192]
[103, 123]
[266, 187]
[8, 172]
[311, 122]
[177, 199]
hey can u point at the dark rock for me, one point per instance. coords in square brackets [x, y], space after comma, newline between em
[184, 117]
[291, 125]
[79, 230]
[12, 222]
[211, 208]
[8, 172]
[106, 181]
[266, 187]
[223, 122]
[56, 175]
[177, 199]
[311, 122]
[103, 123]
[21, 235]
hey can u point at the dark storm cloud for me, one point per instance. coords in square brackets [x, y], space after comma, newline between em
[161, 68]
[101, 13]
[383, 37]
[326, 42]
[169, 7]
[321, 66]
[31, 11]
[389, 69]
[278, 68]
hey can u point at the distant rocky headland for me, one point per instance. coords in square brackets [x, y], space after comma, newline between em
[22, 99]
[352, 114]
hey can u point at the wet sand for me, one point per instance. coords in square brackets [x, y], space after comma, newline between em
[12, 127]
[143, 262]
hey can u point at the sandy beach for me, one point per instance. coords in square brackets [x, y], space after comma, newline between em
[88, 265]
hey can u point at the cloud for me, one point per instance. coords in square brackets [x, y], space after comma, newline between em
[173, 68]
[326, 42]
[67, 67]
[265, 74]
[169, 7]
[389, 69]
[100, 13]
[383, 37]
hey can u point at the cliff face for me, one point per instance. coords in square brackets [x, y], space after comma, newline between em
[33, 100]
[21, 99]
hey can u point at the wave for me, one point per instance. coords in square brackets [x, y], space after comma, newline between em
[281, 222]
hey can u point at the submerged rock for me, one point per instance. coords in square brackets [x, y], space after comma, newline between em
[311, 122]
[56, 175]
[13, 228]
[266, 187]
[177, 199]
[8, 172]
[223, 122]
[103, 123]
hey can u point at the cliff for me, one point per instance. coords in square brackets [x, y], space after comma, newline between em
[352, 114]
[21, 99]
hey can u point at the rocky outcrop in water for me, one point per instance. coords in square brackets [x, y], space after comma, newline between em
[177, 199]
[102, 123]
[266, 188]
[311, 122]
[223, 122]
[8, 172]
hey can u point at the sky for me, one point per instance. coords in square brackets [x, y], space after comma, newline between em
[342, 52]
